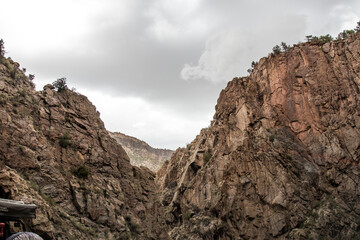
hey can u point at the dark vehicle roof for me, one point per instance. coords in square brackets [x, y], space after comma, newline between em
[16, 209]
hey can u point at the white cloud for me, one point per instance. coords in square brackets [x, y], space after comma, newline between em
[176, 19]
[239, 38]
[221, 59]
[229, 52]
[158, 126]
[137, 49]
[61, 25]
[348, 16]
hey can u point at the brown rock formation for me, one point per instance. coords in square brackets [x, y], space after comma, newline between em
[281, 157]
[55, 152]
[140, 153]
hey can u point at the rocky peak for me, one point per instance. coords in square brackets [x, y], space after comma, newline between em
[141, 153]
[281, 157]
[56, 153]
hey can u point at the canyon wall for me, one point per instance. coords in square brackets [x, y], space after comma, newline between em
[56, 153]
[280, 159]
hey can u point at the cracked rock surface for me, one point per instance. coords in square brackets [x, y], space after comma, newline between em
[55, 152]
[280, 159]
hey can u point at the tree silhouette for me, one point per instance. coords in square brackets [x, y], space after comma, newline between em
[325, 38]
[276, 49]
[284, 46]
[60, 84]
[345, 34]
[253, 64]
[309, 37]
[2, 47]
[357, 28]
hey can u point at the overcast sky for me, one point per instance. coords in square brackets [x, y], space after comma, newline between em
[154, 68]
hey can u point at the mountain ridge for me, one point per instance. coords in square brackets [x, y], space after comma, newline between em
[55, 152]
[281, 157]
[141, 153]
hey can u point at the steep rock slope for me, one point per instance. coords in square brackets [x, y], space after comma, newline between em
[56, 153]
[140, 153]
[281, 157]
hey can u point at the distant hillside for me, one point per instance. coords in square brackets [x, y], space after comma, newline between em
[140, 153]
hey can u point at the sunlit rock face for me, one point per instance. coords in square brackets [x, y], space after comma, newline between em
[281, 156]
[56, 153]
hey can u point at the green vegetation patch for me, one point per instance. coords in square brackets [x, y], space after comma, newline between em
[60, 84]
[206, 156]
[65, 140]
[81, 172]
[271, 138]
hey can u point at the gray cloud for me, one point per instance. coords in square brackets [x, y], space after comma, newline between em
[174, 55]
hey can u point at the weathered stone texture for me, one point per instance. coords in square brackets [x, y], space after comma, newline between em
[49, 140]
[285, 152]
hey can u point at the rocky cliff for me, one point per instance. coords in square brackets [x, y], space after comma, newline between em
[280, 159]
[281, 156]
[140, 153]
[56, 153]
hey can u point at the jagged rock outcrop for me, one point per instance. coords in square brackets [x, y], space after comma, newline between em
[140, 153]
[281, 157]
[56, 153]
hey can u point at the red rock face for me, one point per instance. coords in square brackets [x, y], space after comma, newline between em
[281, 157]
